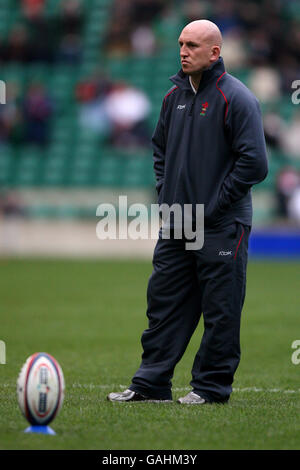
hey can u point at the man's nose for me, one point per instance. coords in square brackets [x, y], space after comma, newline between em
[183, 52]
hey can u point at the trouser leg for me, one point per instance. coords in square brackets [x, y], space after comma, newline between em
[173, 311]
[223, 280]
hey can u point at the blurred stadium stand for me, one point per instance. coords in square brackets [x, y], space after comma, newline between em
[65, 48]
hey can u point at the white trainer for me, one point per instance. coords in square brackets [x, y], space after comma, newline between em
[132, 396]
[192, 399]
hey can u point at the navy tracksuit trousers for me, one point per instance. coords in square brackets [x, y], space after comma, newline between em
[184, 284]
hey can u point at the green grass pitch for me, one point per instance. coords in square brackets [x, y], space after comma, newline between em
[90, 316]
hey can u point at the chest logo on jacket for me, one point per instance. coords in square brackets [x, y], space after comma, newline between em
[181, 106]
[204, 108]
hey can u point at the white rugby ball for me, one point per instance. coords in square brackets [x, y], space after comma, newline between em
[40, 388]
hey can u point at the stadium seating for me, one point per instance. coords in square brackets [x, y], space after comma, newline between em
[75, 157]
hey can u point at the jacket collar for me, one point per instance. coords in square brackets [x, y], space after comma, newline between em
[181, 79]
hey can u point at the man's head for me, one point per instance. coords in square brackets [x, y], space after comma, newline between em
[200, 45]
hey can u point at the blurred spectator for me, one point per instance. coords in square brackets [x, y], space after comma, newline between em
[274, 128]
[91, 95]
[259, 47]
[10, 204]
[142, 15]
[290, 138]
[286, 184]
[143, 41]
[32, 7]
[116, 111]
[41, 30]
[11, 117]
[11, 211]
[294, 206]
[87, 90]
[70, 22]
[117, 41]
[70, 49]
[2, 49]
[249, 12]
[225, 15]
[131, 27]
[17, 47]
[37, 108]
[128, 109]
[71, 17]
[265, 83]
[233, 50]
[145, 11]
[293, 39]
[195, 10]
[289, 69]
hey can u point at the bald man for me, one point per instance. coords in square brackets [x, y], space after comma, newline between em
[209, 149]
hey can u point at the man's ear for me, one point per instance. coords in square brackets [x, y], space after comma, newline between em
[215, 53]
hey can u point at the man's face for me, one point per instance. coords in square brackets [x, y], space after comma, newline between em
[196, 52]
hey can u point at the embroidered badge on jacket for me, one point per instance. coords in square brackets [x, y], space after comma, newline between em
[204, 108]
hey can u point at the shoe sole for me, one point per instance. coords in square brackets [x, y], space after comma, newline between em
[203, 402]
[191, 403]
[140, 401]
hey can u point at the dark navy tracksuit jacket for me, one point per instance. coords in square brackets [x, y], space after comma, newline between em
[209, 148]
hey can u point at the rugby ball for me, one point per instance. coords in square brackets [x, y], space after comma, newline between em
[40, 389]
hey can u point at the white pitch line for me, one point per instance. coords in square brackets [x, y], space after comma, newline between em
[92, 386]
[184, 389]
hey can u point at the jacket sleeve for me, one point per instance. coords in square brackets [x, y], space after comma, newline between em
[245, 130]
[159, 146]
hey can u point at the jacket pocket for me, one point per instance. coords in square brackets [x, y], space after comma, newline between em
[212, 216]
